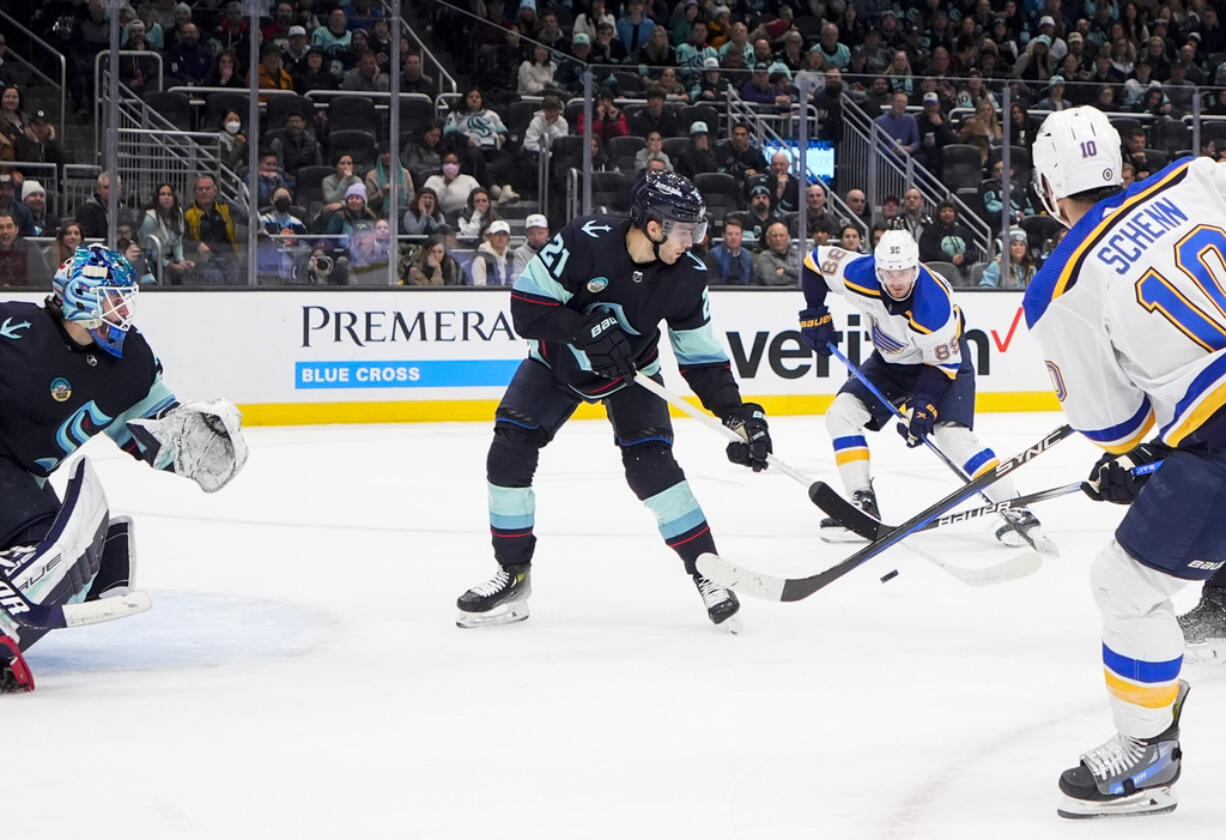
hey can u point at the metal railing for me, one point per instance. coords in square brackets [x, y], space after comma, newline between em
[55, 56]
[429, 60]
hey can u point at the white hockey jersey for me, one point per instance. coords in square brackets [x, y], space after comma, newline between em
[1130, 311]
[924, 329]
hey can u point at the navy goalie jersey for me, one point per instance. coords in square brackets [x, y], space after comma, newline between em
[586, 267]
[55, 394]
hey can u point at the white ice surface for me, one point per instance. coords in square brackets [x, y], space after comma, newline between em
[300, 675]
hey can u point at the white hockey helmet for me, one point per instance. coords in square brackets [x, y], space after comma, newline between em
[896, 259]
[1076, 150]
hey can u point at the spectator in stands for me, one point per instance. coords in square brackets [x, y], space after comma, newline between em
[92, 214]
[536, 72]
[698, 156]
[857, 202]
[433, 266]
[719, 25]
[891, 207]
[759, 89]
[336, 186]
[683, 20]
[737, 44]
[161, 233]
[483, 130]
[334, 38]
[635, 28]
[232, 143]
[181, 17]
[354, 216]
[38, 144]
[451, 186]
[834, 53]
[280, 255]
[899, 74]
[423, 153]
[1155, 54]
[491, 264]
[1104, 73]
[1179, 90]
[21, 263]
[900, 126]
[776, 264]
[138, 72]
[1134, 146]
[270, 177]
[546, 125]
[210, 234]
[12, 121]
[935, 134]
[294, 53]
[231, 34]
[10, 72]
[34, 199]
[653, 150]
[818, 214]
[571, 69]
[674, 90]
[735, 264]
[378, 186]
[225, 72]
[1054, 101]
[914, 213]
[851, 239]
[1154, 101]
[693, 50]
[785, 191]
[711, 87]
[296, 147]
[738, 157]
[477, 215]
[983, 130]
[536, 234]
[365, 77]
[655, 117]
[607, 119]
[587, 22]
[189, 61]
[272, 75]
[423, 216]
[413, 80]
[657, 52]
[975, 92]
[992, 197]
[760, 212]
[67, 238]
[91, 34]
[316, 73]
[948, 240]
[1021, 265]
[606, 49]
[1036, 64]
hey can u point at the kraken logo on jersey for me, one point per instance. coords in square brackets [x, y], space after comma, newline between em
[61, 389]
[597, 284]
[84, 423]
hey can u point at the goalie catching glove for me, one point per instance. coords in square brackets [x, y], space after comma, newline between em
[1112, 478]
[749, 419]
[202, 441]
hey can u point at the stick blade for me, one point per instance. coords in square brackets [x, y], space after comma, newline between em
[744, 581]
[844, 512]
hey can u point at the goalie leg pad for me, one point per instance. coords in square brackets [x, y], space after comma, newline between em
[202, 441]
[117, 570]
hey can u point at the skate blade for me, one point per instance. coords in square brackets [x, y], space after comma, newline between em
[840, 535]
[1042, 543]
[731, 624]
[1158, 800]
[507, 614]
[1208, 652]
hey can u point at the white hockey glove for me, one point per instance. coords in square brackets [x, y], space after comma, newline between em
[203, 441]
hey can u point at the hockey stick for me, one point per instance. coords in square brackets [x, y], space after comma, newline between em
[859, 522]
[719, 428]
[1047, 548]
[54, 617]
[776, 588]
[1010, 569]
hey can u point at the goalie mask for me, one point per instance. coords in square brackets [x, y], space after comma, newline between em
[96, 289]
[896, 260]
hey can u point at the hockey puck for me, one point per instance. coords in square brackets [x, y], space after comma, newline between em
[889, 576]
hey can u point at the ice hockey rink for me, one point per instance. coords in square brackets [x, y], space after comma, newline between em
[301, 675]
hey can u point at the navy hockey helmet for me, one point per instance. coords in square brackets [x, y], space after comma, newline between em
[670, 199]
[96, 288]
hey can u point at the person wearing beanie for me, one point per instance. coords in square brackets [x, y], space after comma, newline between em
[355, 216]
[34, 197]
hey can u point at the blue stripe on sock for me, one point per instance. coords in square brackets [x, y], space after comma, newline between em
[1138, 670]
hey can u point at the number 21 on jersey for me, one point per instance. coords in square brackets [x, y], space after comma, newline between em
[1201, 256]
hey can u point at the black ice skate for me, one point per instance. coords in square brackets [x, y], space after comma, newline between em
[502, 599]
[832, 532]
[1029, 525]
[1204, 626]
[722, 604]
[1126, 776]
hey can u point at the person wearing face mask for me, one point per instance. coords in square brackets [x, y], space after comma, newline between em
[283, 255]
[452, 187]
[232, 142]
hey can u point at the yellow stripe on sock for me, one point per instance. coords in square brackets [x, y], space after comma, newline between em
[1149, 696]
[846, 456]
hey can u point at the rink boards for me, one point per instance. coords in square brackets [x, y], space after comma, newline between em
[291, 357]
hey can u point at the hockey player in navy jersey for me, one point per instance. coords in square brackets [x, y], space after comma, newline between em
[591, 303]
[919, 360]
[1131, 317]
[70, 370]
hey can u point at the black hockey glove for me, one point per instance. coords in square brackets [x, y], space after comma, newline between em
[750, 420]
[817, 329]
[607, 346]
[923, 417]
[1112, 479]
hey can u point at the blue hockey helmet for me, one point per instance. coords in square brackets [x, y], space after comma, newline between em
[670, 199]
[96, 288]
